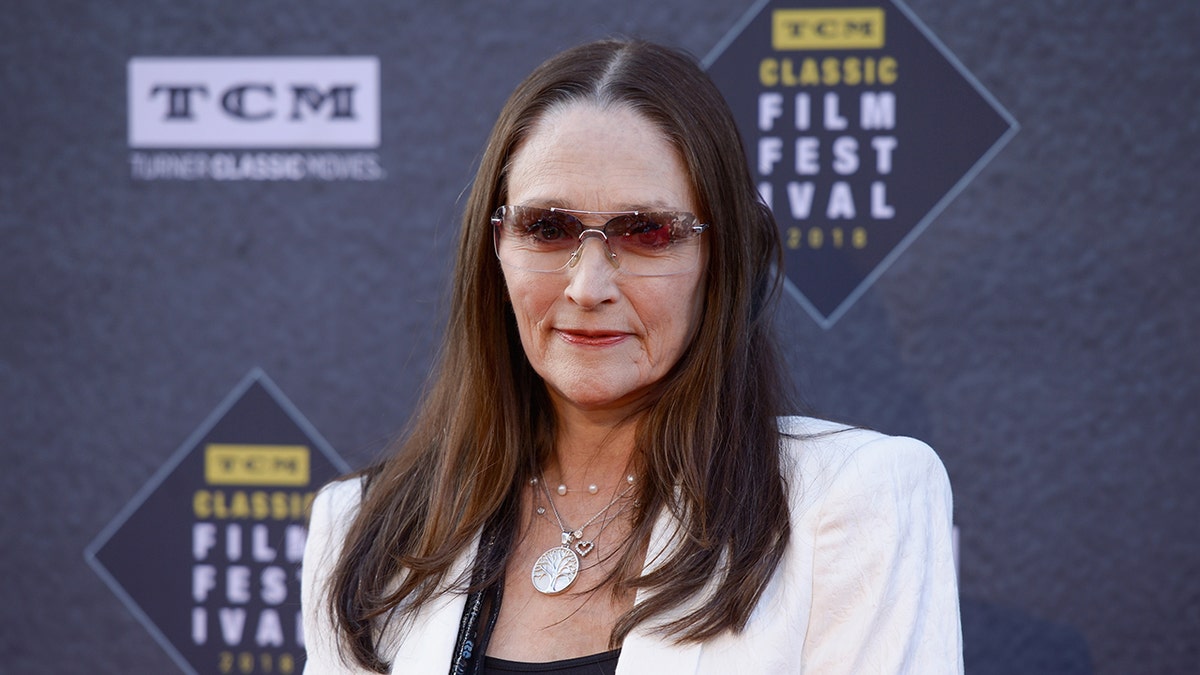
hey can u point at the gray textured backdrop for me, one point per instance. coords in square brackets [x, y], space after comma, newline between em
[1041, 334]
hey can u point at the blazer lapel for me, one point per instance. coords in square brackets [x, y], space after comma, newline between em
[427, 645]
[644, 652]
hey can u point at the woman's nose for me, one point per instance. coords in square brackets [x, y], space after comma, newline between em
[592, 273]
[605, 249]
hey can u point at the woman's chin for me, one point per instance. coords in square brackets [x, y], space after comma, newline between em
[595, 397]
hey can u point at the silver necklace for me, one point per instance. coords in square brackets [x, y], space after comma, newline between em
[557, 568]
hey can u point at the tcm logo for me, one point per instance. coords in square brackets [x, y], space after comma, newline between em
[806, 29]
[269, 102]
[283, 465]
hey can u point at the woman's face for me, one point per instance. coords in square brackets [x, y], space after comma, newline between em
[598, 336]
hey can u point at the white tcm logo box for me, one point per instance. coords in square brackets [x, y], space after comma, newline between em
[254, 102]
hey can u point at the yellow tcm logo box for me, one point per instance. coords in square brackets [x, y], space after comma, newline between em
[283, 465]
[810, 29]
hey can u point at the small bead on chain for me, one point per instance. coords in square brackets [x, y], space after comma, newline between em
[592, 489]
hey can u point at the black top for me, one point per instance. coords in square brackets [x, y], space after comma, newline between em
[604, 663]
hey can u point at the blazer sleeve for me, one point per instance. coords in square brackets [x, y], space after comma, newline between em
[885, 590]
[332, 511]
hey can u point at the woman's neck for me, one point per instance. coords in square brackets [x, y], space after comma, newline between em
[591, 449]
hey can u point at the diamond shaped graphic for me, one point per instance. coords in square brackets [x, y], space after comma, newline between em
[860, 127]
[207, 554]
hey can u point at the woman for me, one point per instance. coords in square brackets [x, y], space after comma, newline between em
[599, 479]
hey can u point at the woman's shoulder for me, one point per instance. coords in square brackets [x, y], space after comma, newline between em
[809, 439]
[339, 500]
[333, 510]
[821, 455]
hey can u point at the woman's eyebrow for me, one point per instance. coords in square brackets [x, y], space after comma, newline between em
[642, 207]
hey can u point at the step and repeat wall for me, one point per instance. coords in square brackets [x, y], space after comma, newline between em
[226, 232]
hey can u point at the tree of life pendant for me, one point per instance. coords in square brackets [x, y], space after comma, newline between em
[556, 569]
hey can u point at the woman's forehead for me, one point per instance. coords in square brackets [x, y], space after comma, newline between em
[590, 157]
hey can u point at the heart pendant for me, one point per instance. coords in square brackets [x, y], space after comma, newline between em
[584, 547]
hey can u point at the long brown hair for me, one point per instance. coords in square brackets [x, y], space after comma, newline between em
[708, 440]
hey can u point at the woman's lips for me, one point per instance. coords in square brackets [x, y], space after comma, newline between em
[591, 338]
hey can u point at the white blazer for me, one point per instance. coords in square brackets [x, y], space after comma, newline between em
[867, 584]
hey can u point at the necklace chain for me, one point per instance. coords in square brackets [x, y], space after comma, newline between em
[557, 568]
[577, 533]
[592, 488]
